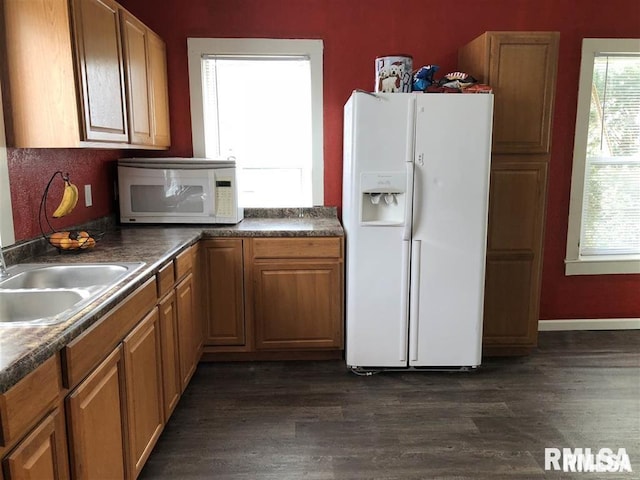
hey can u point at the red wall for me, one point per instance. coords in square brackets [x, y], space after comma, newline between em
[355, 32]
[30, 170]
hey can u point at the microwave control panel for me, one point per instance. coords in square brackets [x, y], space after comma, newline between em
[224, 197]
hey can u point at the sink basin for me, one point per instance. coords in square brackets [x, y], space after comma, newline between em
[45, 294]
[37, 306]
[65, 276]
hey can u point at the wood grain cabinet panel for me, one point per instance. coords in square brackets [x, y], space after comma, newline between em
[189, 331]
[516, 206]
[39, 88]
[224, 296]
[42, 454]
[510, 300]
[82, 73]
[136, 50]
[143, 380]
[297, 305]
[273, 298]
[20, 409]
[101, 67]
[521, 69]
[172, 384]
[161, 131]
[96, 419]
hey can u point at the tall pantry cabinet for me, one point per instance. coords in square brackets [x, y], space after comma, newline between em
[521, 69]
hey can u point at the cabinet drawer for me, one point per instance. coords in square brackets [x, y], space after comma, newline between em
[166, 279]
[92, 346]
[307, 247]
[23, 405]
[183, 263]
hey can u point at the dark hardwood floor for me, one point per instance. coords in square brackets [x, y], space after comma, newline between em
[315, 420]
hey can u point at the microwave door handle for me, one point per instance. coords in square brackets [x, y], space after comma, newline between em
[212, 191]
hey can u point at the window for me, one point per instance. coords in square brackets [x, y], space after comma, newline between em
[604, 214]
[260, 101]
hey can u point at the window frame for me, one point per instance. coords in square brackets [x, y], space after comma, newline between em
[576, 264]
[197, 47]
[7, 233]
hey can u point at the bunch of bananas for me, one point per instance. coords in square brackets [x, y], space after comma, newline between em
[72, 240]
[69, 200]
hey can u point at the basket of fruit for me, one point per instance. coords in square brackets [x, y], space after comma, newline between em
[72, 240]
[66, 241]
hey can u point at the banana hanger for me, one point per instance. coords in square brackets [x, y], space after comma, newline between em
[42, 212]
[63, 241]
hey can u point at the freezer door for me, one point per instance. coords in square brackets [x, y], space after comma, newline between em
[451, 185]
[378, 148]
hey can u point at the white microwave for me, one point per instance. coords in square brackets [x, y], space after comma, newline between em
[178, 190]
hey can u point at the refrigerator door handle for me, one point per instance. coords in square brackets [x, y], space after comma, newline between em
[404, 300]
[408, 211]
[415, 300]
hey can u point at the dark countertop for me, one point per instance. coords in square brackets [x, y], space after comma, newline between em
[22, 349]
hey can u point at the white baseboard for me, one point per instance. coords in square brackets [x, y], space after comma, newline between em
[589, 324]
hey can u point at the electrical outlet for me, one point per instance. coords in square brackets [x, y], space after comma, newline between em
[88, 200]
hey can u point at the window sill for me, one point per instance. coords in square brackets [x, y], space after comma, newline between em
[603, 265]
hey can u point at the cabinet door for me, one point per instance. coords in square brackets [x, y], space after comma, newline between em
[136, 46]
[143, 374]
[522, 72]
[96, 422]
[161, 135]
[170, 357]
[42, 454]
[189, 332]
[297, 305]
[38, 69]
[224, 292]
[99, 55]
[514, 253]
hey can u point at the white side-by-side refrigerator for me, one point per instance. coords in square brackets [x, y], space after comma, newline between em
[415, 203]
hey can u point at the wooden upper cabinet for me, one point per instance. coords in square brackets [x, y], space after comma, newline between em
[101, 70]
[136, 47]
[39, 88]
[521, 69]
[160, 134]
[81, 73]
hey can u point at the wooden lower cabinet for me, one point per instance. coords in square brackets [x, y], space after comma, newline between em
[224, 303]
[42, 454]
[143, 381]
[172, 383]
[189, 331]
[514, 256]
[269, 298]
[96, 427]
[297, 305]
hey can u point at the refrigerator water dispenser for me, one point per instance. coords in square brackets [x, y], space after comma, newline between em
[383, 199]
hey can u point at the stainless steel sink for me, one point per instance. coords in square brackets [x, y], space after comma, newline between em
[46, 294]
[65, 276]
[37, 306]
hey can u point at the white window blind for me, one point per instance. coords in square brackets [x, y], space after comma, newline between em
[257, 109]
[611, 203]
